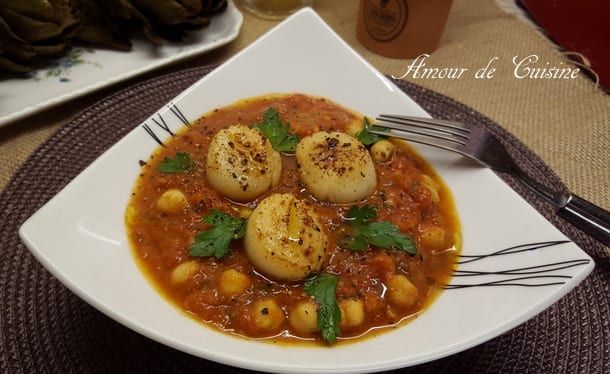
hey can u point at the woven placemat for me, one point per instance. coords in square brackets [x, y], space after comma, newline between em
[45, 328]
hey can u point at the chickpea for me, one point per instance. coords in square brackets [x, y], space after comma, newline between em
[130, 215]
[172, 201]
[401, 291]
[304, 317]
[245, 212]
[432, 186]
[434, 237]
[267, 315]
[184, 272]
[233, 283]
[382, 151]
[352, 312]
[354, 128]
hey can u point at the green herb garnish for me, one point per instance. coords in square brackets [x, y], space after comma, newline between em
[278, 133]
[323, 287]
[366, 137]
[382, 234]
[215, 241]
[182, 163]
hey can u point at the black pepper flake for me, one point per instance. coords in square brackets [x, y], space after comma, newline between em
[332, 142]
[265, 311]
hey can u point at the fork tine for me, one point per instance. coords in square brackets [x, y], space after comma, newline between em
[423, 138]
[452, 128]
[399, 128]
[448, 135]
[445, 135]
[433, 121]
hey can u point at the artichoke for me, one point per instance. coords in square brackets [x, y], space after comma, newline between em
[98, 29]
[34, 31]
[164, 21]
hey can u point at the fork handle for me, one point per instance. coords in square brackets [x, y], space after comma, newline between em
[588, 217]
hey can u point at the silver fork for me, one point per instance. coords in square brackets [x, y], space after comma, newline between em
[484, 147]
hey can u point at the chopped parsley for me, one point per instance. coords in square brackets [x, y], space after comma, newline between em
[366, 137]
[323, 287]
[383, 234]
[182, 163]
[278, 133]
[215, 241]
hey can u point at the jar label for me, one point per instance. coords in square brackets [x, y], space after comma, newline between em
[385, 19]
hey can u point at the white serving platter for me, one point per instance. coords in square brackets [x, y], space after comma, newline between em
[84, 70]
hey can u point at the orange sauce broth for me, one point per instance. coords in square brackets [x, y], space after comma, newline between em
[161, 241]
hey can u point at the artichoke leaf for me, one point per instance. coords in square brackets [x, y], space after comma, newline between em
[214, 6]
[125, 10]
[40, 9]
[8, 65]
[97, 29]
[167, 12]
[36, 21]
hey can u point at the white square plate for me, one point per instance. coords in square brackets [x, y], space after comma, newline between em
[79, 235]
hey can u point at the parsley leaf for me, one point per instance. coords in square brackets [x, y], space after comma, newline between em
[367, 138]
[362, 215]
[215, 241]
[386, 235]
[181, 164]
[278, 133]
[323, 287]
[382, 234]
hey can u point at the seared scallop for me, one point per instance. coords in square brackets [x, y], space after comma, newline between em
[335, 167]
[241, 163]
[284, 238]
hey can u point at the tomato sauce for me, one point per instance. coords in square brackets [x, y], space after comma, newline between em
[409, 194]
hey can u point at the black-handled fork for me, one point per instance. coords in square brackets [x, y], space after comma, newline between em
[484, 147]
